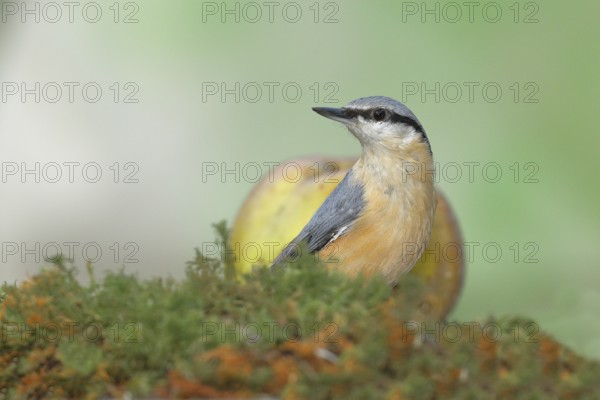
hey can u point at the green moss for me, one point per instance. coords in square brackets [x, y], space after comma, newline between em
[298, 332]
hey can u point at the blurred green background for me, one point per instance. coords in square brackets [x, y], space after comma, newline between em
[178, 50]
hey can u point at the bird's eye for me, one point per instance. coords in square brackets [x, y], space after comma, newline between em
[379, 114]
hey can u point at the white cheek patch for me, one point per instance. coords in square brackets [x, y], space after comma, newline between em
[395, 134]
[384, 130]
[410, 135]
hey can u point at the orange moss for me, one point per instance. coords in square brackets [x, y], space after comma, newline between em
[34, 319]
[285, 372]
[488, 352]
[41, 301]
[179, 386]
[550, 353]
[234, 365]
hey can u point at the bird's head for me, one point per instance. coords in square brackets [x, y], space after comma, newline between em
[379, 122]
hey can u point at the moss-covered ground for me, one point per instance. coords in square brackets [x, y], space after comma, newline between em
[300, 332]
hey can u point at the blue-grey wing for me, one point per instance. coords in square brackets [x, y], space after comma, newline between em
[336, 214]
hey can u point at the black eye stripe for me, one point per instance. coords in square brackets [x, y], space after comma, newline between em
[408, 121]
[350, 113]
[393, 117]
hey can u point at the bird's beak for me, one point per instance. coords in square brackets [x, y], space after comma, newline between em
[336, 114]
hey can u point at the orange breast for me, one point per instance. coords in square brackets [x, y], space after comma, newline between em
[393, 229]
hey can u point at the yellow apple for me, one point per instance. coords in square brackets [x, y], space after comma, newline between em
[283, 202]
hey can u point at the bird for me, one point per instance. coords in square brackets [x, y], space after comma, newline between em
[378, 219]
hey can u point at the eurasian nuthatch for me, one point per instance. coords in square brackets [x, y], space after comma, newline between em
[379, 218]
